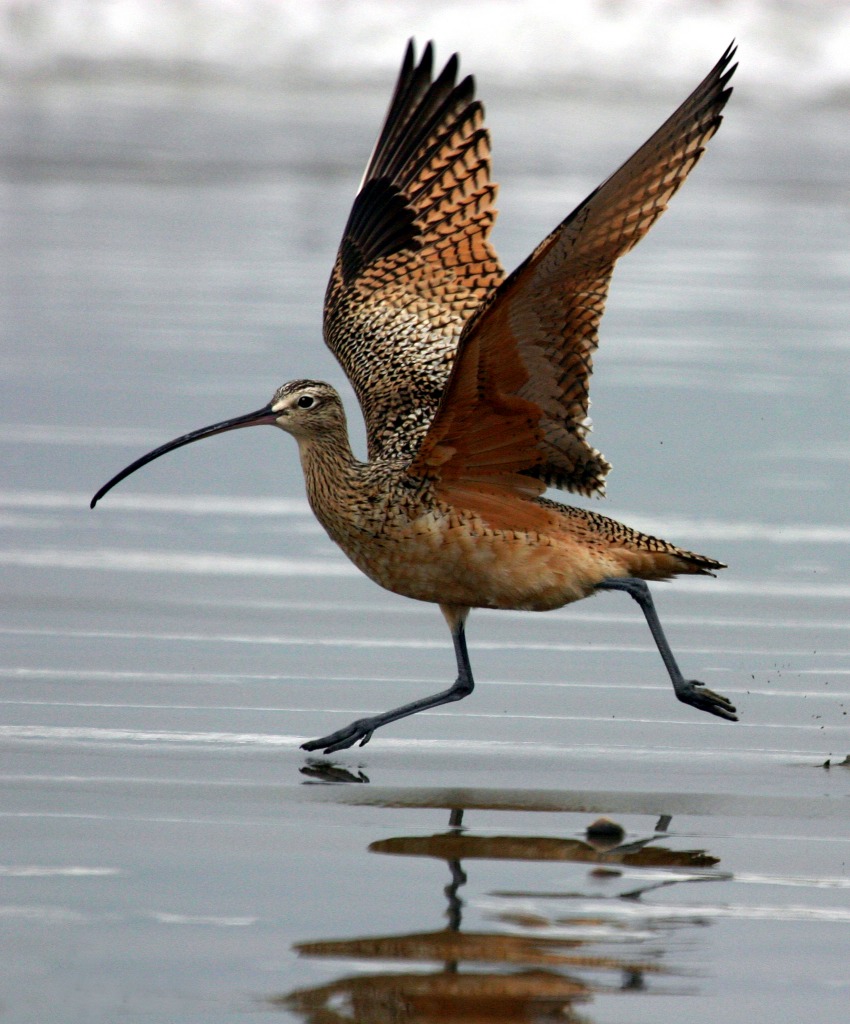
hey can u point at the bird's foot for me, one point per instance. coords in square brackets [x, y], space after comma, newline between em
[697, 694]
[361, 730]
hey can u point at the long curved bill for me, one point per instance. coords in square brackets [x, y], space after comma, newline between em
[251, 419]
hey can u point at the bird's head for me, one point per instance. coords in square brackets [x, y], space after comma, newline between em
[306, 409]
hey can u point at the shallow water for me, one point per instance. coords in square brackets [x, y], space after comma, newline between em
[169, 852]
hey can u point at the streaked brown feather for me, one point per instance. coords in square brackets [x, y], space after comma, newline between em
[523, 367]
[414, 263]
[449, 508]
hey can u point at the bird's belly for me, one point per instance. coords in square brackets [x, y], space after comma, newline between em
[431, 559]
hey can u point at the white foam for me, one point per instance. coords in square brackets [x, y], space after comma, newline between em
[180, 504]
[204, 919]
[196, 563]
[43, 871]
[789, 47]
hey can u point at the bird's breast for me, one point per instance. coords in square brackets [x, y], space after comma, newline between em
[422, 549]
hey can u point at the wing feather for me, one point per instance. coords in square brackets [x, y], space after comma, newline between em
[520, 382]
[415, 261]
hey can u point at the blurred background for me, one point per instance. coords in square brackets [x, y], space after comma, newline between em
[174, 179]
[796, 50]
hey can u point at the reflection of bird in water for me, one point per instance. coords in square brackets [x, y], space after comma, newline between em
[539, 964]
[474, 385]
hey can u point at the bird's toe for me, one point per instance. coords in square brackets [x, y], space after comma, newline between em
[699, 696]
[341, 739]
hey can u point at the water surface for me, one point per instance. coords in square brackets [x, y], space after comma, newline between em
[169, 852]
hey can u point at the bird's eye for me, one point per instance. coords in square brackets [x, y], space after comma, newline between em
[306, 402]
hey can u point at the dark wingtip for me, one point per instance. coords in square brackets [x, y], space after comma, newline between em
[426, 62]
[726, 69]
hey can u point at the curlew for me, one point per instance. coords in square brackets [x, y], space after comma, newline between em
[473, 383]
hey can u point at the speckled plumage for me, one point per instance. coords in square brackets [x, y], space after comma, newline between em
[479, 548]
[415, 262]
[416, 281]
[473, 385]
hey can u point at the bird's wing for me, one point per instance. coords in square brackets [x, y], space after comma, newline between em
[414, 263]
[513, 418]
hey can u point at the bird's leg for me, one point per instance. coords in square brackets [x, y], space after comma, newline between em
[689, 691]
[363, 728]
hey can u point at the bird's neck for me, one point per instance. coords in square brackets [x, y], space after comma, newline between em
[333, 477]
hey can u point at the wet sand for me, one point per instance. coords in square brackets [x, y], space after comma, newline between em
[169, 852]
